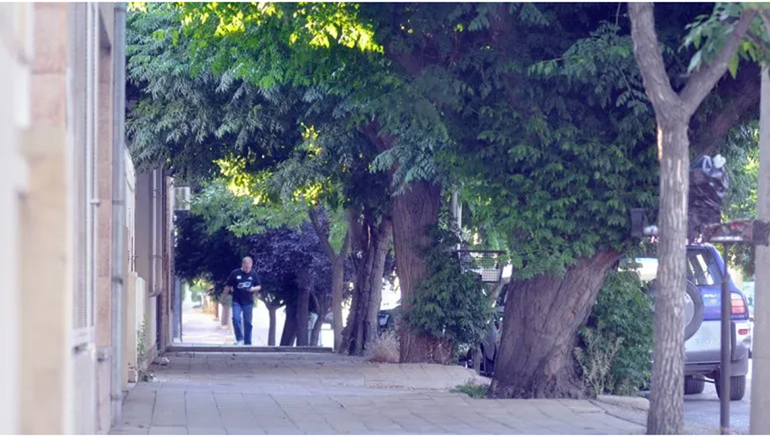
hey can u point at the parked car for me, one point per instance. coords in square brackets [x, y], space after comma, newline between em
[703, 322]
[387, 320]
[482, 357]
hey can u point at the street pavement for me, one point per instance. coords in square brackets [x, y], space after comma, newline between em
[203, 328]
[240, 375]
[325, 393]
[702, 411]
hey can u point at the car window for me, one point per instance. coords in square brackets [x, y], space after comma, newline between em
[702, 268]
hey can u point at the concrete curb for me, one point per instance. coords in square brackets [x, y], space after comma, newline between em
[178, 348]
[629, 409]
[634, 403]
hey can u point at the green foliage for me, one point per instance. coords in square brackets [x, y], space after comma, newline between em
[616, 351]
[187, 117]
[450, 303]
[742, 153]
[473, 390]
[143, 373]
[241, 214]
[554, 182]
[709, 32]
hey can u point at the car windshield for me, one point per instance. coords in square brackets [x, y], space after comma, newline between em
[702, 268]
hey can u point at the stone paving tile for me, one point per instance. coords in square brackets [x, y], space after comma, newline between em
[127, 429]
[246, 430]
[158, 429]
[202, 430]
[258, 393]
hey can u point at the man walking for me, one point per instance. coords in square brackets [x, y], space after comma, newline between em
[243, 283]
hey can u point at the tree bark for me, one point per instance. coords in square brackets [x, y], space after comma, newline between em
[289, 334]
[338, 274]
[316, 330]
[673, 113]
[338, 282]
[741, 98]
[302, 317]
[303, 303]
[381, 247]
[271, 312]
[542, 318]
[361, 327]
[413, 212]
[666, 415]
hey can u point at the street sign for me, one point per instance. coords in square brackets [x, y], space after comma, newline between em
[753, 232]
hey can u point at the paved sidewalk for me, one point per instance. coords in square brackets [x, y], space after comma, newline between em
[203, 328]
[227, 393]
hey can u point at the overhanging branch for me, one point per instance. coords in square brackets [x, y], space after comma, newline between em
[322, 235]
[650, 59]
[703, 81]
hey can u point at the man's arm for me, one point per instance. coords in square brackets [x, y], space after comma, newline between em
[228, 285]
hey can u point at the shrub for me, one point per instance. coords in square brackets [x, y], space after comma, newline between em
[473, 390]
[596, 358]
[620, 327]
[450, 304]
[385, 349]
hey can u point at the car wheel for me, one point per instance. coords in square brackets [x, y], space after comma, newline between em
[694, 385]
[693, 308]
[737, 387]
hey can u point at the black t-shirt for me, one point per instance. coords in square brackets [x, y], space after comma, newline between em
[241, 282]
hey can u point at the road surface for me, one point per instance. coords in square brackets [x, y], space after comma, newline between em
[702, 411]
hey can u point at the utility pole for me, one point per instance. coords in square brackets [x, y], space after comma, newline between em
[760, 383]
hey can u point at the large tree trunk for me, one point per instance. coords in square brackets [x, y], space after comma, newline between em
[271, 312]
[673, 113]
[338, 282]
[380, 247]
[289, 334]
[367, 296]
[666, 415]
[316, 330]
[338, 273]
[542, 318]
[414, 212]
[302, 317]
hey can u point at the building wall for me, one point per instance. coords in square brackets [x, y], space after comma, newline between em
[56, 194]
[16, 51]
[153, 259]
[45, 232]
[132, 317]
[104, 266]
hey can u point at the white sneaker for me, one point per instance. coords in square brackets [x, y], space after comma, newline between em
[238, 343]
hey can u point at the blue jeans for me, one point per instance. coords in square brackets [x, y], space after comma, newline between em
[242, 331]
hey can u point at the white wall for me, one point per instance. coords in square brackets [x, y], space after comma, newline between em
[15, 54]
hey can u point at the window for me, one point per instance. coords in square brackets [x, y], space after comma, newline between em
[702, 268]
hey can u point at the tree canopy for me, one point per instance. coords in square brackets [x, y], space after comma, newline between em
[535, 113]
